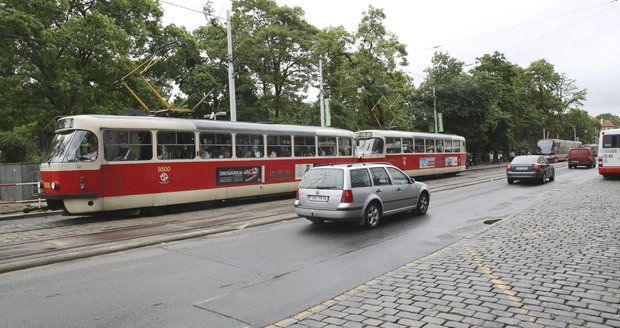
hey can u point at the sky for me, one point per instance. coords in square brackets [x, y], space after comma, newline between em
[580, 38]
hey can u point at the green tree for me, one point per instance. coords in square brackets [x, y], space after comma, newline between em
[468, 103]
[385, 88]
[274, 43]
[65, 57]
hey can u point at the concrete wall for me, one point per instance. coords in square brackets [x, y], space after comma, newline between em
[16, 173]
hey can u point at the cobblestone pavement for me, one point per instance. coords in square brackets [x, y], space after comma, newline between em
[553, 265]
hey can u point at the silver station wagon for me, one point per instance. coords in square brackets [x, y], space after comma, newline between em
[361, 192]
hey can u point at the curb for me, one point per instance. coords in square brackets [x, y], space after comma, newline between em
[95, 250]
[32, 214]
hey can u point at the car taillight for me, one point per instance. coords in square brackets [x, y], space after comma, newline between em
[508, 167]
[347, 196]
[536, 167]
[600, 162]
[297, 194]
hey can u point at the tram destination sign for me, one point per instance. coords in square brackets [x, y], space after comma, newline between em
[239, 175]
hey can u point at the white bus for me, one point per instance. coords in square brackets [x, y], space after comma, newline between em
[609, 153]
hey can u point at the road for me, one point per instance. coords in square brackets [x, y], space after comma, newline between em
[256, 276]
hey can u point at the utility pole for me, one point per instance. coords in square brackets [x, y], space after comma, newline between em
[321, 93]
[435, 111]
[574, 133]
[231, 71]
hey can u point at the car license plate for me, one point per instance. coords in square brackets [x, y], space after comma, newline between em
[521, 168]
[315, 198]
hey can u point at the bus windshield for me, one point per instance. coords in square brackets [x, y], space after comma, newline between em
[369, 146]
[544, 147]
[73, 146]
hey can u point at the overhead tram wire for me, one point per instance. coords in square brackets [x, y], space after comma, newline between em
[563, 27]
[512, 27]
[193, 10]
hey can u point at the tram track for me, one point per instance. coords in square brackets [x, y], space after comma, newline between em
[28, 242]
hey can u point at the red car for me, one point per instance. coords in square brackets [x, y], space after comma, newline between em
[581, 157]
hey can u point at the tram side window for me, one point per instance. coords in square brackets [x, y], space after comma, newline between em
[439, 146]
[249, 145]
[305, 146]
[345, 146]
[447, 146]
[175, 145]
[127, 145]
[456, 146]
[215, 145]
[407, 146]
[392, 145]
[278, 146]
[430, 145]
[419, 146]
[327, 146]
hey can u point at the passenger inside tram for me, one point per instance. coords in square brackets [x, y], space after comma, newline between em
[163, 152]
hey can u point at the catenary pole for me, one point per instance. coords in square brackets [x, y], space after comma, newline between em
[321, 93]
[435, 111]
[231, 71]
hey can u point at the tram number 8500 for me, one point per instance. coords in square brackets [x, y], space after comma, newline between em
[163, 169]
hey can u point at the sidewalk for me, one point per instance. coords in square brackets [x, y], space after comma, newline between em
[556, 264]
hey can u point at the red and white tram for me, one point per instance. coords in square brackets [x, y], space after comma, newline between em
[416, 153]
[102, 163]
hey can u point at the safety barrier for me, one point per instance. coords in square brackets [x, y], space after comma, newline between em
[19, 184]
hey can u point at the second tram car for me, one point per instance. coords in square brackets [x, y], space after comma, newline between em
[609, 153]
[102, 163]
[555, 150]
[416, 153]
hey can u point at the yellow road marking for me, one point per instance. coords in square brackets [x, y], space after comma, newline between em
[497, 282]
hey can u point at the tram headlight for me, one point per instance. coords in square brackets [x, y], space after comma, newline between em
[55, 185]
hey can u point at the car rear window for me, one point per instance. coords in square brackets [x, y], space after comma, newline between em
[581, 152]
[323, 179]
[525, 160]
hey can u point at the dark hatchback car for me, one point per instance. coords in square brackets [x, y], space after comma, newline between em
[530, 167]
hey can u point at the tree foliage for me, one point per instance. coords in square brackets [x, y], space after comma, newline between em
[66, 57]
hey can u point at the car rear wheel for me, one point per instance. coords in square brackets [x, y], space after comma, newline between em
[423, 203]
[372, 215]
[543, 179]
[511, 181]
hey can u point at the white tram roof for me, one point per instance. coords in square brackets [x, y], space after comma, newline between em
[96, 122]
[406, 134]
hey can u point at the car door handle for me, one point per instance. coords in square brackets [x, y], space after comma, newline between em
[398, 189]
[378, 190]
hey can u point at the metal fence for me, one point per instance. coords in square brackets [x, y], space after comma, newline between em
[18, 182]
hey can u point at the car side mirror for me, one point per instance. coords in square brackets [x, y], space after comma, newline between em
[411, 180]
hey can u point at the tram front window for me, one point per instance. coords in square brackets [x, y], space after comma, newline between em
[369, 146]
[74, 146]
[545, 147]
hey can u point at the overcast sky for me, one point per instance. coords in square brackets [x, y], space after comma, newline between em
[581, 38]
